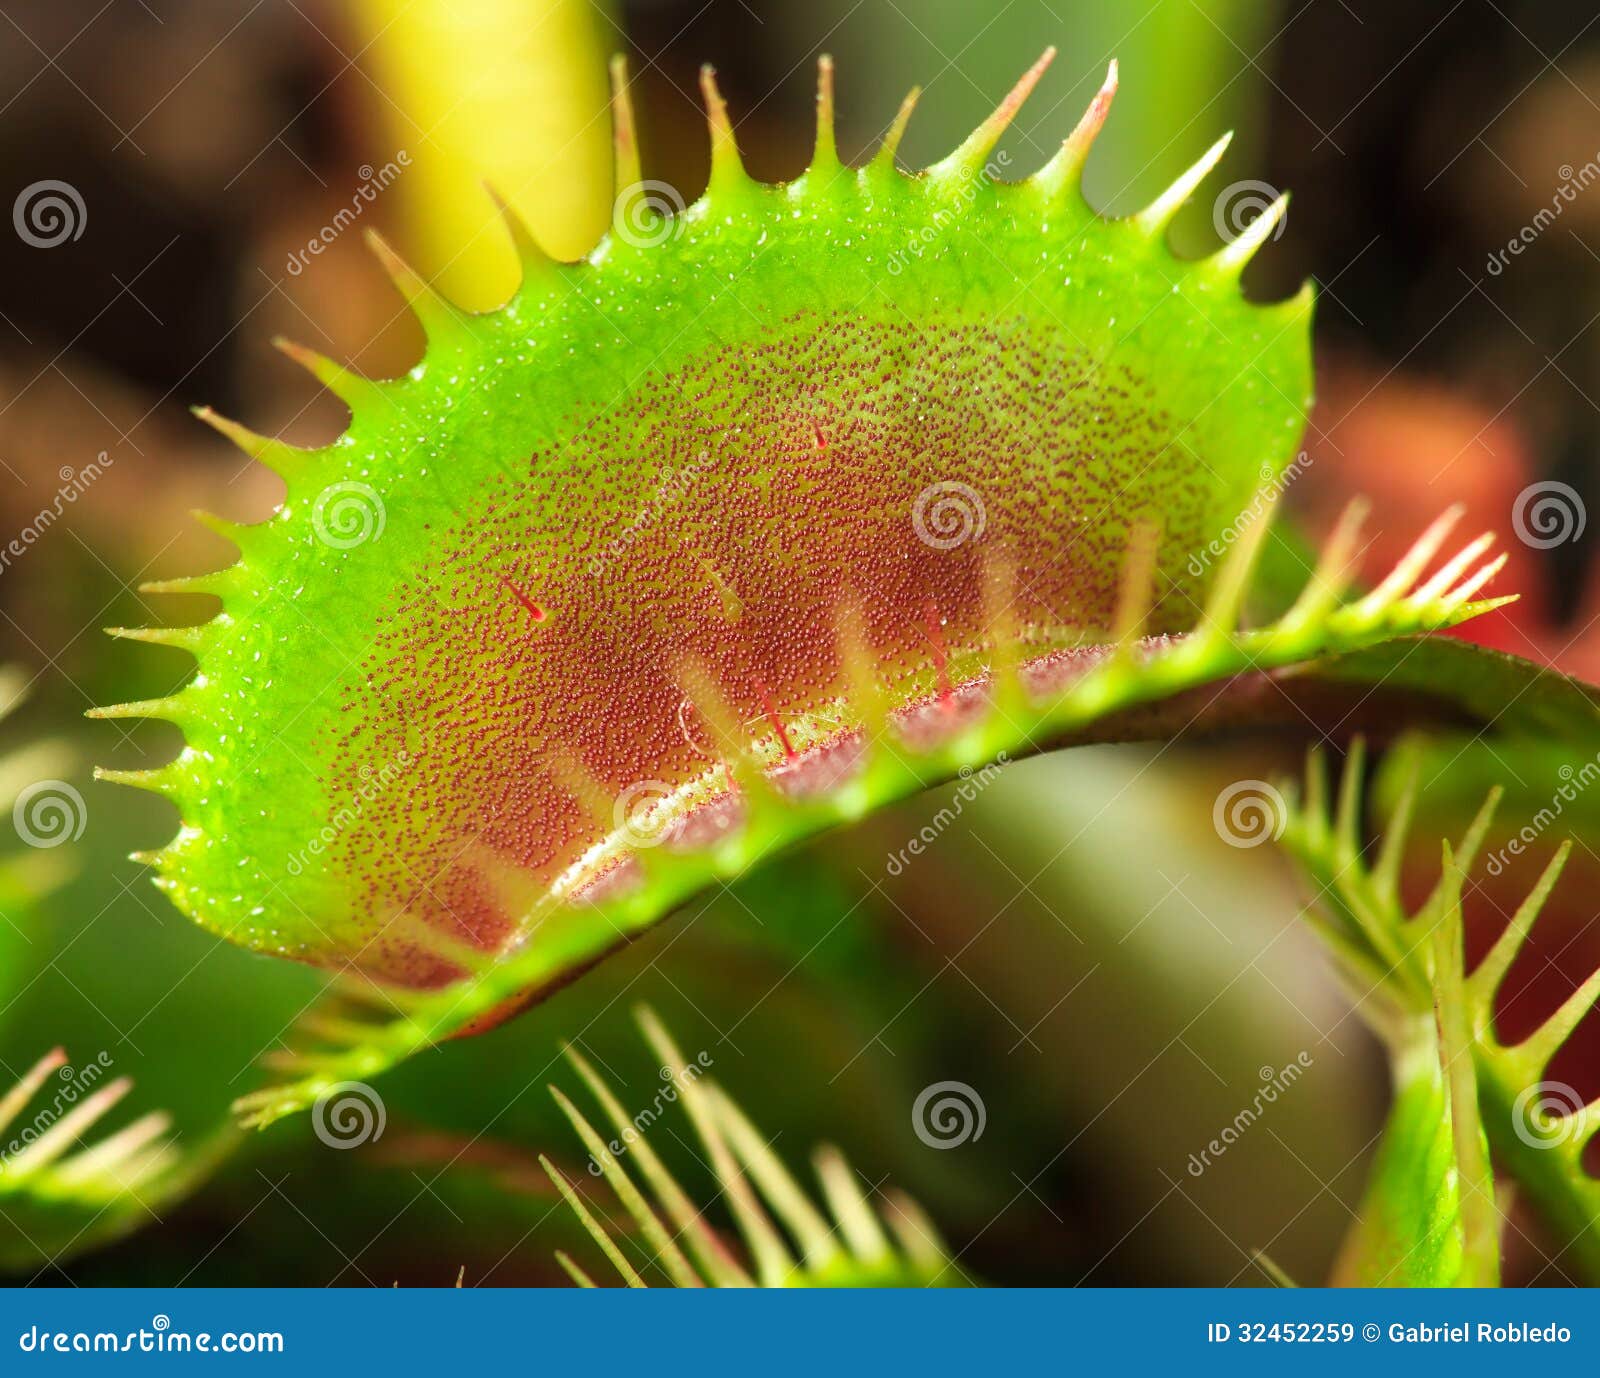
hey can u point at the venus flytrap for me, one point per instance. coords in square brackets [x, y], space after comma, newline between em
[1431, 1217]
[1111, 409]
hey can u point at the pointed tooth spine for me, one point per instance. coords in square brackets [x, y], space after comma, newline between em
[167, 708]
[1232, 258]
[630, 206]
[768, 1250]
[714, 1259]
[1410, 566]
[1483, 985]
[161, 780]
[279, 456]
[594, 1228]
[64, 1132]
[967, 161]
[189, 639]
[727, 172]
[1136, 589]
[858, 1222]
[212, 584]
[882, 164]
[825, 154]
[660, 1239]
[1335, 568]
[17, 1098]
[1397, 830]
[1453, 569]
[1155, 217]
[1535, 1051]
[624, 130]
[1457, 596]
[350, 388]
[537, 266]
[1063, 174]
[231, 531]
[439, 318]
[1220, 618]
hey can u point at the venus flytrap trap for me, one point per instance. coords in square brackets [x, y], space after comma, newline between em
[1102, 409]
[1430, 1216]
